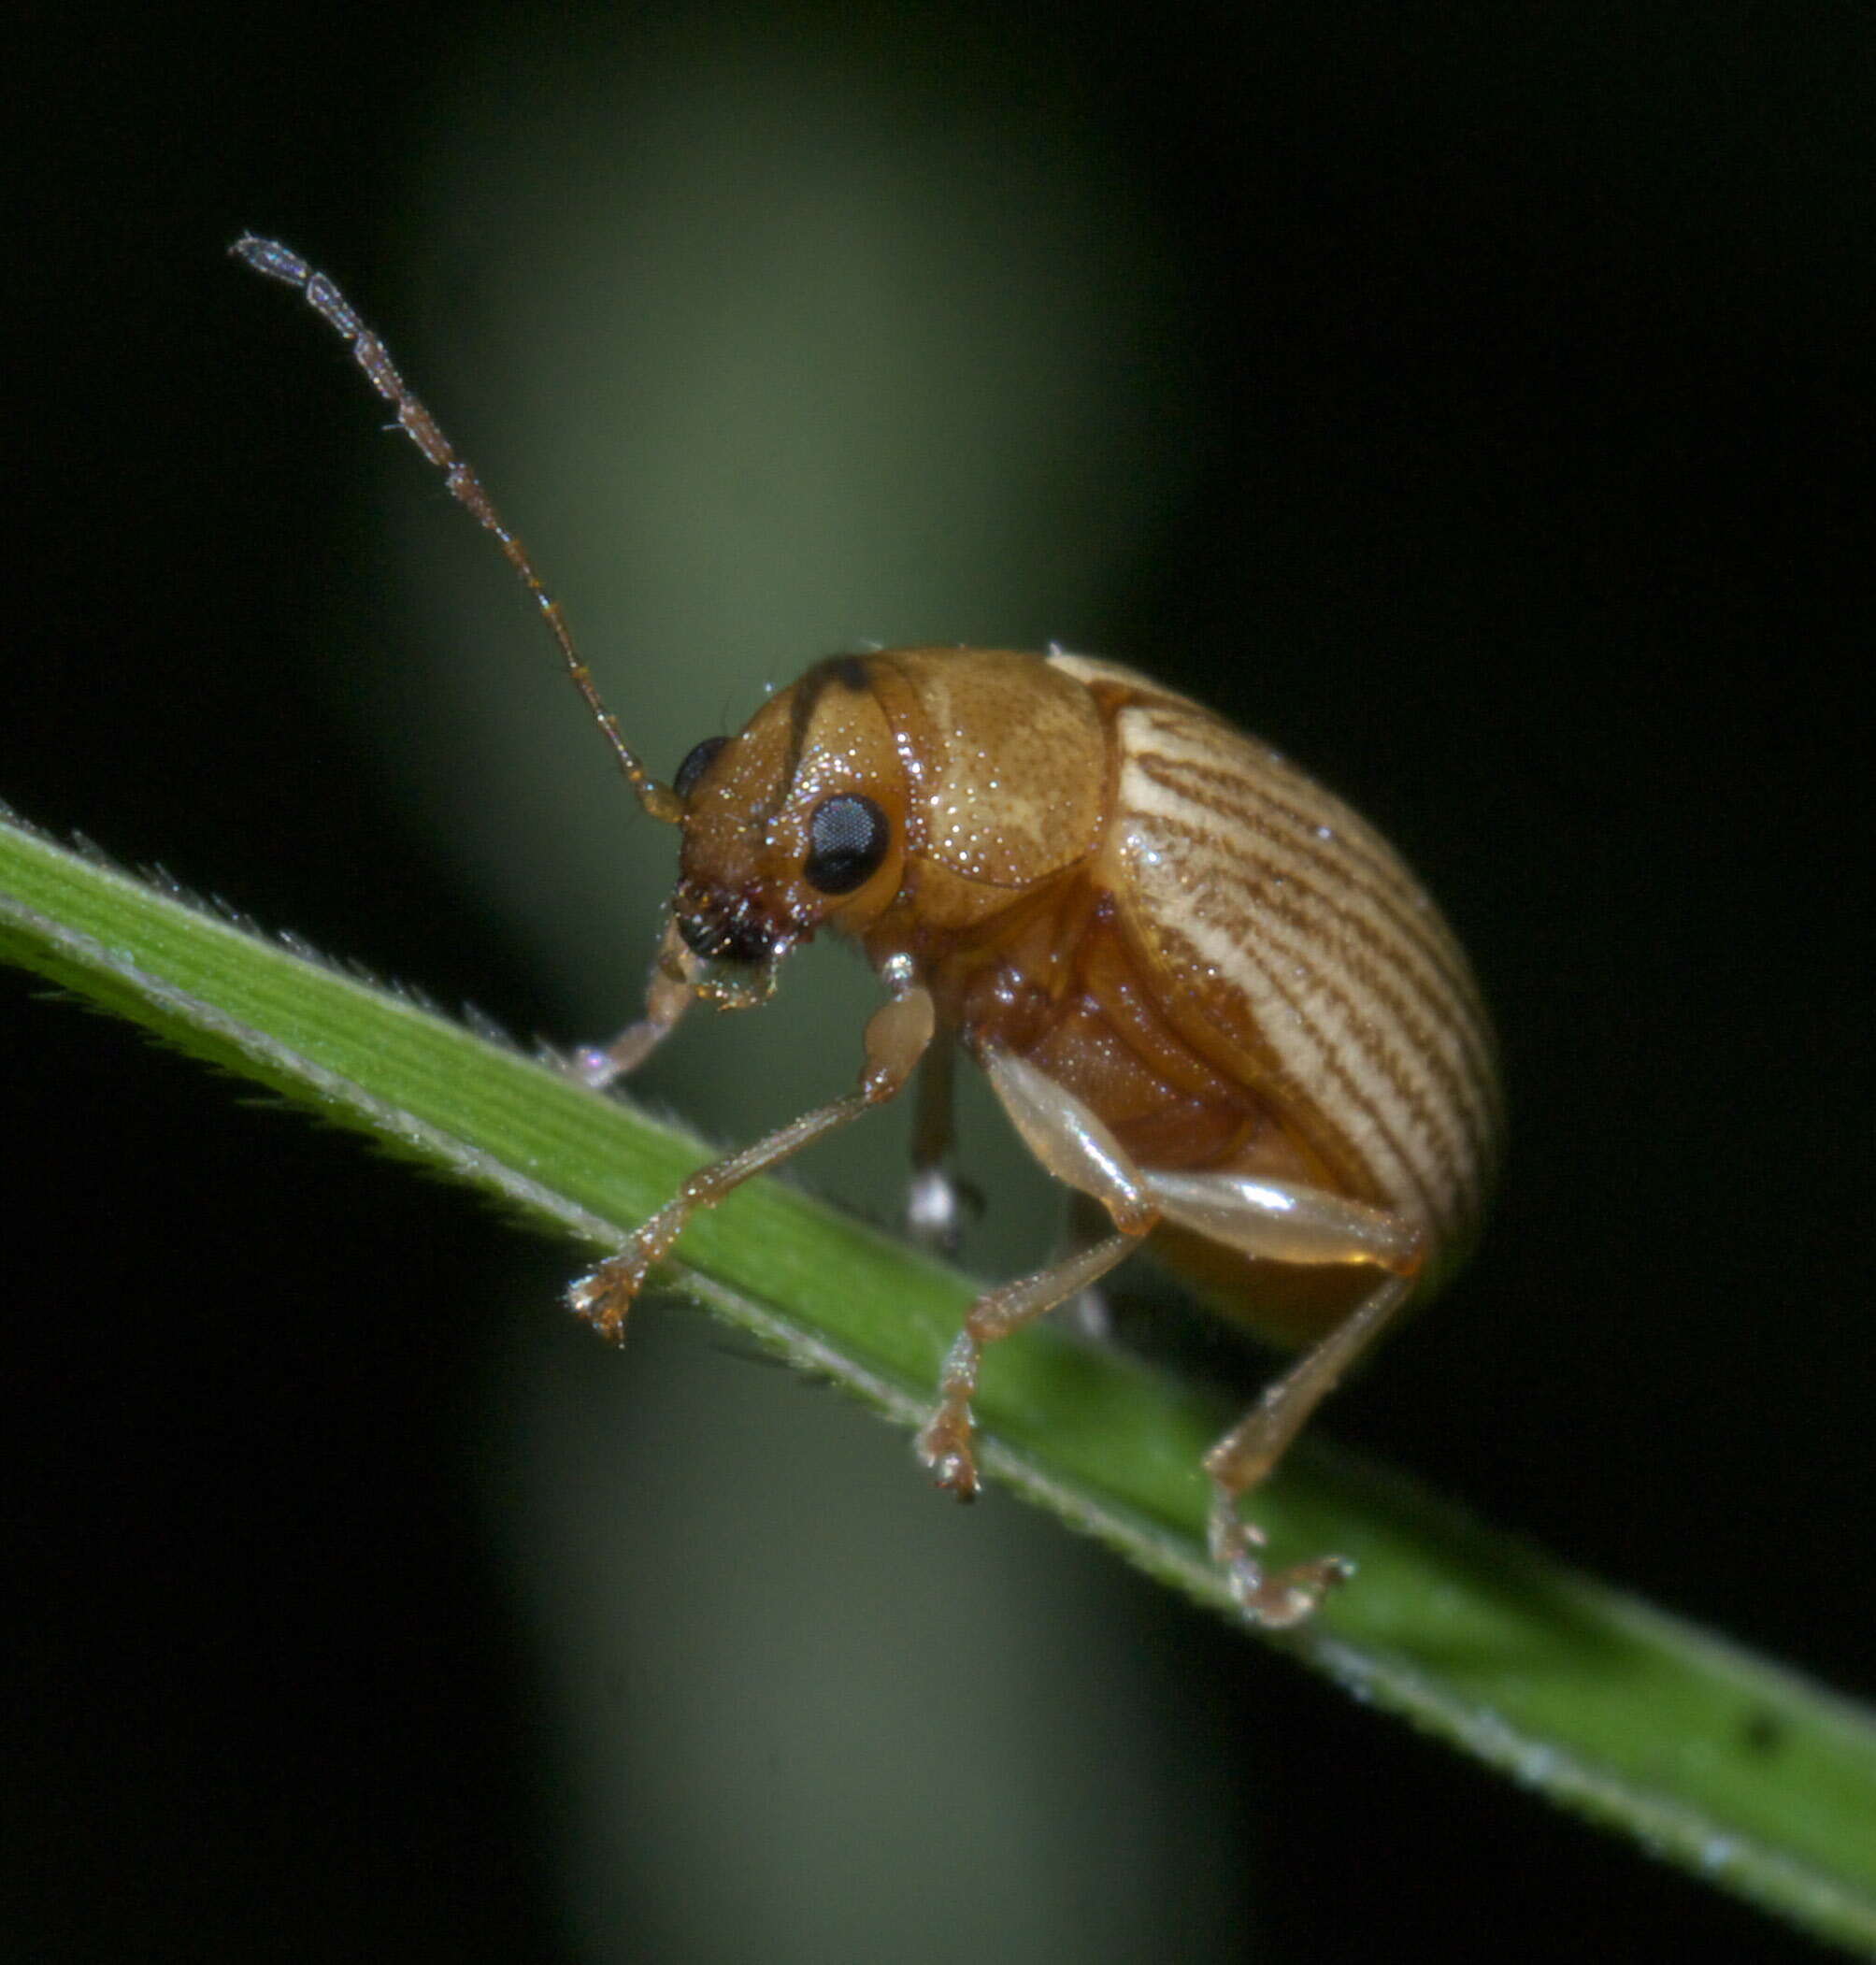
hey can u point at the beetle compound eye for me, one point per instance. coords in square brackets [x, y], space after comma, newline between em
[847, 838]
[697, 760]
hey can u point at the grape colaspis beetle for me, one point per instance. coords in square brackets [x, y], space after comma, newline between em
[1211, 1000]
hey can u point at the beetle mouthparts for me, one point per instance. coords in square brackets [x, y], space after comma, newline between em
[728, 928]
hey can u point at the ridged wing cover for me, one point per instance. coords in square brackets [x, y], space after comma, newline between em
[1285, 929]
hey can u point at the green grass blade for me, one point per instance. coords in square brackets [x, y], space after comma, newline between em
[1743, 1772]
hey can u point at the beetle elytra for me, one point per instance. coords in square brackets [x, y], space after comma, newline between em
[1211, 999]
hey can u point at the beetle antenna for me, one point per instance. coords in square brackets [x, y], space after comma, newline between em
[280, 262]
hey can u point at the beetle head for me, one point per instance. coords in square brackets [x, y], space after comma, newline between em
[794, 823]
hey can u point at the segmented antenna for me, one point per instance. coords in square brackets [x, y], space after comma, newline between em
[278, 262]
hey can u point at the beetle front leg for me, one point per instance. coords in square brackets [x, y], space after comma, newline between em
[935, 1198]
[895, 1037]
[668, 996]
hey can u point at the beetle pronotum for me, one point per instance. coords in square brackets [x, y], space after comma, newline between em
[1211, 1000]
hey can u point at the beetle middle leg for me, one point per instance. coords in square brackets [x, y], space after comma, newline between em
[945, 1444]
[1077, 1148]
[897, 1035]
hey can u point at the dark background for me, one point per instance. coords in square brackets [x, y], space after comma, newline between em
[1507, 381]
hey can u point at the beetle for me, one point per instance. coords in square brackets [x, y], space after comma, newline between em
[1213, 1001]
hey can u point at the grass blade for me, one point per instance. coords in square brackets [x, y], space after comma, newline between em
[1743, 1772]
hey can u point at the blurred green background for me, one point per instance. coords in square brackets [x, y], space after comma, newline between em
[1478, 404]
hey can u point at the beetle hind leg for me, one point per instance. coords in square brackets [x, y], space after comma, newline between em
[1272, 1221]
[1282, 1598]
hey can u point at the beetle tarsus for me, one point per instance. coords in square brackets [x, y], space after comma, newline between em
[1292, 1596]
[1275, 1600]
[592, 1066]
[944, 1446]
[956, 1475]
[604, 1296]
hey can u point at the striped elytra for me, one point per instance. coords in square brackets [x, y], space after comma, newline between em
[1212, 1000]
[1299, 936]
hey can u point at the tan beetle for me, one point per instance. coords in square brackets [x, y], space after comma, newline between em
[1209, 996]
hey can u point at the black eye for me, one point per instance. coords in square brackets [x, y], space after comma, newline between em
[847, 838]
[697, 760]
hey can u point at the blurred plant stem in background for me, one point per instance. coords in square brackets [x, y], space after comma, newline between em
[771, 345]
